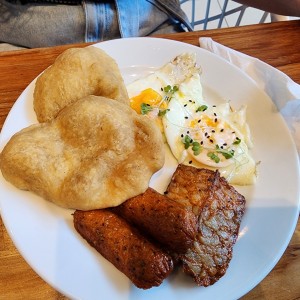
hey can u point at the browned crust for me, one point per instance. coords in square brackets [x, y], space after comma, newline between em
[165, 220]
[219, 209]
[142, 262]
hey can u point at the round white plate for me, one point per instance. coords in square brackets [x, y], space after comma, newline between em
[44, 233]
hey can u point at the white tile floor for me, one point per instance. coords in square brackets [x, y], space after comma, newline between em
[251, 15]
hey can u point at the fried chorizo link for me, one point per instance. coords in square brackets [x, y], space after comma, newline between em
[165, 220]
[142, 262]
[219, 209]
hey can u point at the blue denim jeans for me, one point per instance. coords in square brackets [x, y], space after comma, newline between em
[41, 24]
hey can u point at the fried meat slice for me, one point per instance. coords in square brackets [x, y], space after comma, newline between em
[219, 209]
[165, 220]
[145, 264]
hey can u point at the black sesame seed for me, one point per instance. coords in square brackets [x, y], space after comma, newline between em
[199, 121]
[190, 161]
[205, 133]
[225, 144]
[182, 135]
[166, 192]
[216, 120]
[185, 105]
[214, 106]
[211, 140]
[186, 117]
[188, 132]
[213, 131]
[222, 130]
[201, 143]
[215, 114]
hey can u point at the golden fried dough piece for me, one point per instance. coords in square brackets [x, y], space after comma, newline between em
[97, 153]
[142, 262]
[77, 73]
[219, 208]
[165, 220]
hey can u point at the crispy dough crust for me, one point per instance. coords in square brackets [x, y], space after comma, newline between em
[97, 153]
[77, 73]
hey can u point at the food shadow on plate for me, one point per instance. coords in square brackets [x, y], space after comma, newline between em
[174, 287]
[91, 269]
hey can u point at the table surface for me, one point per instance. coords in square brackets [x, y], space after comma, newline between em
[277, 44]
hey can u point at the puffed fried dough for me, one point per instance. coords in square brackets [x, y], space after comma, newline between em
[77, 73]
[165, 220]
[97, 153]
[219, 208]
[142, 262]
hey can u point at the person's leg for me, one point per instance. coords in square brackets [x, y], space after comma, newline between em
[41, 25]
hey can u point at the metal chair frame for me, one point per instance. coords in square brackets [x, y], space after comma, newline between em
[224, 12]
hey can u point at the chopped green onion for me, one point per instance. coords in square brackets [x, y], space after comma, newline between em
[187, 141]
[162, 112]
[167, 89]
[237, 141]
[202, 108]
[226, 153]
[214, 157]
[145, 108]
[175, 88]
[197, 152]
[196, 148]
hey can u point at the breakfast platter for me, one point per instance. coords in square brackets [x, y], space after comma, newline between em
[44, 233]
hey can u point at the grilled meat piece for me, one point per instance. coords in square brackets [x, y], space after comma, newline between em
[145, 264]
[219, 209]
[165, 220]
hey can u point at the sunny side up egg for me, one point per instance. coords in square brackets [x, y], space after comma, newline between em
[197, 132]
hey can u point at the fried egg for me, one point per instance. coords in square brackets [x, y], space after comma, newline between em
[213, 137]
[150, 95]
[197, 132]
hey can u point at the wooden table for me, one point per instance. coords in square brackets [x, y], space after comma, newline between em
[278, 44]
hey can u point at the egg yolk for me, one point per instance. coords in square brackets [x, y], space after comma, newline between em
[147, 96]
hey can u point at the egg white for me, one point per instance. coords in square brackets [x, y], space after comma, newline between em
[240, 168]
[184, 108]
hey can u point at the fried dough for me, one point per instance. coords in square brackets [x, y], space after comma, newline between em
[165, 220]
[77, 73]
[97, 153]
[145, 264]
[219, 209]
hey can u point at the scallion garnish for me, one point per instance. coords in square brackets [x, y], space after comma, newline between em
[145, 108]
[187, 141]
[237, 141]
[202, 108]
[169, 90]
[162, 112]
[214, 157]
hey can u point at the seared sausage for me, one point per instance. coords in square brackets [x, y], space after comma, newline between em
[144, 263]
[165, 220]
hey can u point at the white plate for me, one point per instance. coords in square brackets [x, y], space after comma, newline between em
[44, 233]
